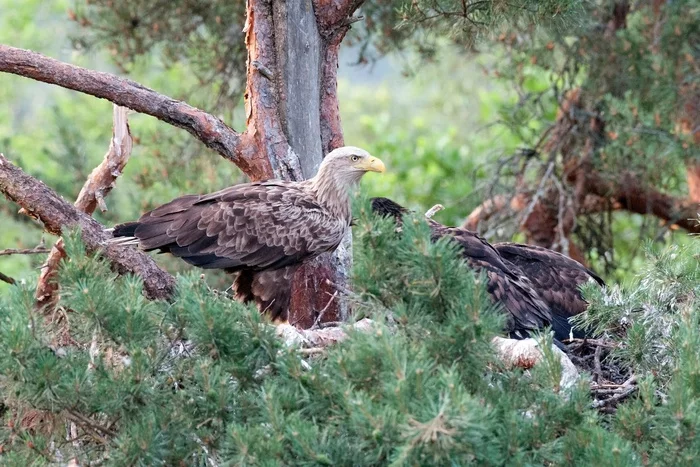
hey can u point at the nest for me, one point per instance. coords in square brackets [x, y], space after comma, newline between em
[611, 381]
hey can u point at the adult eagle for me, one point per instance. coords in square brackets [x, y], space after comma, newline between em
[263, 231]
[536, 286]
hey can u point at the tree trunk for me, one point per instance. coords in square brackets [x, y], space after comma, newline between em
[293, 119]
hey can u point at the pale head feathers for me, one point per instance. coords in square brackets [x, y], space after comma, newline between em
[340, 170]
[347, 165]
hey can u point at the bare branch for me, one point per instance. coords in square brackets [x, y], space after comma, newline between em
[210, 130]
[8, 279]
[635, 196]
[99, 183]
[492, 206]
[627, 193]
[434, 210]
[57, 215]
[102, 178]
[24, 251]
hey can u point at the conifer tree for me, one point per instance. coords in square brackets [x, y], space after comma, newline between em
[205, 381]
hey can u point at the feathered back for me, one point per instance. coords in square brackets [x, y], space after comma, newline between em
[537, 286]
[263, 231]
[556, 277]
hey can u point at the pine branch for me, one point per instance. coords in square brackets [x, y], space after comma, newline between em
[58, 215]
[210, 130]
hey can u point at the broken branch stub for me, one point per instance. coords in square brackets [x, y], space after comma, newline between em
[99, 183]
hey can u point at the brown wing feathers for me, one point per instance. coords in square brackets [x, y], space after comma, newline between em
[514, 291]
[557, 277]
[247, 230]
[536, 286]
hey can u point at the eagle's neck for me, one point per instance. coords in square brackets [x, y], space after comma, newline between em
[332, 191]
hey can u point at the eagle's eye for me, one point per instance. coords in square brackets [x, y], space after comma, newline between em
[355, 158]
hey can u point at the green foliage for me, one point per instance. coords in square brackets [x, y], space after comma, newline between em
[197, 34]
[205, 377]
[654, 312]
[421, 24]
[658, 317]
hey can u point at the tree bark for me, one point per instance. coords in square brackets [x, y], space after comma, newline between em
[692, 170]
[292, 116]
[292, 112]
[58, 215]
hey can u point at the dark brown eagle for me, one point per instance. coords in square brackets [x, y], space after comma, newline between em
[536, 286]
[263, 231]
[557, 277]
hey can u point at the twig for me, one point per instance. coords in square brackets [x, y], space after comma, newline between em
[83, 420]
[538, 194]
[594, 342]
[342, 289]
[614, 399]
[597, 371]
[7, 279]
[24, 251]
[331, 324]
[323, 312]
[563, 240]
[95, 431]
[312, 351]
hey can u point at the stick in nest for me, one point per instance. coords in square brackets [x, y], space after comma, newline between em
[434, 210]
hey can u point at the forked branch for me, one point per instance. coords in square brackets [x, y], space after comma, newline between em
[98, 185]
[58, 215]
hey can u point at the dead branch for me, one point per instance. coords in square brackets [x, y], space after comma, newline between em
[99, 183]
[46, 288]
[597, 370]
[58, 215]
[210, 130]
[434, 210]
[490, 207]
[628, 193]
[23, 251]
[318, 319]
[103, 177]
[617, 397]
[593, 342]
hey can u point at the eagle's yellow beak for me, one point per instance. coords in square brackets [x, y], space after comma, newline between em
[372, 164]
